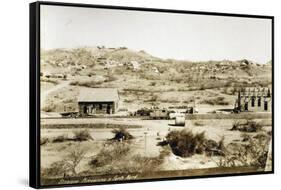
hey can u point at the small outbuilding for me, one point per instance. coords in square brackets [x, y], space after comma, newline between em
[98, 101]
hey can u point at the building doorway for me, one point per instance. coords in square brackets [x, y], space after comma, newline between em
[108, 109]
[259, 102]
[265, 106]
[246, 106]
[253, 102]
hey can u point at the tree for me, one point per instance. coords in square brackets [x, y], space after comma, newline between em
[74, 158]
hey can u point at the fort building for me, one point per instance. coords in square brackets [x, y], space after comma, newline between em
[254, 100]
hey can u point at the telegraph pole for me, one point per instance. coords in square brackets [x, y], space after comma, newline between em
[145, 133]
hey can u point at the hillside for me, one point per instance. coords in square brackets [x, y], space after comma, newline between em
[145, 80]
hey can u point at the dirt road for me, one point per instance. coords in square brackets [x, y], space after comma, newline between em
[46, 93]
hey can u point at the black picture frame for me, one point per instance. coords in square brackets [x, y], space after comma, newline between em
[34, 91]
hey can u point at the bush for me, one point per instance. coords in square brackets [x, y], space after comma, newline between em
[202, 87]
[82, 135]
[128, 101]
[109, 153]
[249, 126]
[213, 148]
[121, 134]
[56, 169]
[115, 158]
[245, 137]
[60, 138]
[74, 157]
[44, 141]
[49, 108]
[254, 153]
[199, 123]
[173, 100]
[215, 101]
[110, 78]
[53, 81]
[66, 167]
[141, 164]
[152, 98]
[184, 143]
[261, 136]
[230, 90]
[87, 83]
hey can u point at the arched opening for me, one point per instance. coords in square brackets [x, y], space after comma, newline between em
[246, 106]
[259, 102]
[265, 105]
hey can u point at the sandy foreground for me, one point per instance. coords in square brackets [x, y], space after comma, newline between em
[146, 137]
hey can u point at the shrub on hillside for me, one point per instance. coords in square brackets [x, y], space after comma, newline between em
[215, 101]
[53, 81]
[128, 101]
[110, 78]
[49, 108]
[87, 83]
[152, 98]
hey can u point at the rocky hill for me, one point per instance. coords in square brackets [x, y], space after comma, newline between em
[115, 61]
[143, 79]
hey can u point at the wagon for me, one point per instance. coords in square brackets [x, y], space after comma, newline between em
[69, 114]
[143, 112]
[159, 114]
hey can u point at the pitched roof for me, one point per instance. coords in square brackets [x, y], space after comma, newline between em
[98, 95]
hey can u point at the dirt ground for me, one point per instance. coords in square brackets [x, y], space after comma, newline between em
[211, 87]
[62, 96]
[144, 142]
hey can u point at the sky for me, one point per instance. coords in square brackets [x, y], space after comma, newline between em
[165, 35]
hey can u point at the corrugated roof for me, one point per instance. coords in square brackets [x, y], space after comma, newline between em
[98, 95]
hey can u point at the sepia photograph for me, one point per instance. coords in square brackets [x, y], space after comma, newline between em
[128, 95]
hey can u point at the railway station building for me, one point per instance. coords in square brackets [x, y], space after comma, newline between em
[98, 101]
